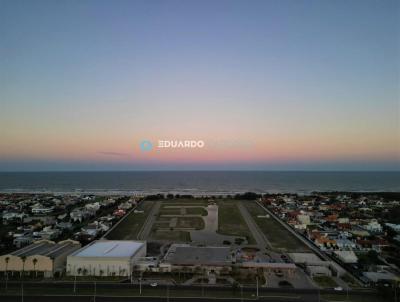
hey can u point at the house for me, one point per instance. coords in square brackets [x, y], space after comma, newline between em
[373, 226]
[39, 209]
[346, 256]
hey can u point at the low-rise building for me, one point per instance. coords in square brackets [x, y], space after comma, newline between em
[106, 258]
[45, 257]
[186, 257]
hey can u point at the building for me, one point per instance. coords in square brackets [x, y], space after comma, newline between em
[42, 257]
[304, 219]
[346, 256]
[318, 270]
[373, 226]
[106, 258]
[186, 257]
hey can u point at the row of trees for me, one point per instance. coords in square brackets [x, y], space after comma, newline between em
[23, 258]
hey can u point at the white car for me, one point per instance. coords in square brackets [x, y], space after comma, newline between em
[338, 288]
[153, 284]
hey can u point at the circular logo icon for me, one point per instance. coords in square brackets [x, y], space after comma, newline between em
[146, 145]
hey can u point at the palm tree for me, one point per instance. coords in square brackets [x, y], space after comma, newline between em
[34, 261]
[7, 259]
[23, 258]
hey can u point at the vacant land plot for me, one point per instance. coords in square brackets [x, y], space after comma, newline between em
[129, 228]
[190, 222]
[196, 211]
[170, 235]
[185, 202]
[325, 281]
[276, 234]
[231, 221]
[167, 211]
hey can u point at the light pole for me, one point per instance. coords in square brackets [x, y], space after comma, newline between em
[22, 290]
[140, 285]
[74, 283]
[167, 292]
[95, 289]
[257, 286]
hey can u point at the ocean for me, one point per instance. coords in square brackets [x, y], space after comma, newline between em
[198, 182]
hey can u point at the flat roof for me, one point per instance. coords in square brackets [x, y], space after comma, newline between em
[46, 248]
[110, 248]
[304, 257]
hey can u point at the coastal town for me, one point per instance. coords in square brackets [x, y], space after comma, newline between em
[338, 242]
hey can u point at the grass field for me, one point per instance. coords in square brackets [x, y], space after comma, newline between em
[196, 211]
[177, 236]
[278, 236]
[190, 222]
[129, 228]
[185, 202]
[325, 281]
[166, 211]
[231, 221]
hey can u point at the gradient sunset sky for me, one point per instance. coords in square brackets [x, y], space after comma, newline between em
[267, 85]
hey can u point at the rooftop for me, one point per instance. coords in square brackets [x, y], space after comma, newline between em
[110, 248]
[46, 248]
[191, 255]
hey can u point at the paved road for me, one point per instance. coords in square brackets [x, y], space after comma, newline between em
[151, 218]
[278, 298]
[307, 242]
[258, 235]
[105, 290]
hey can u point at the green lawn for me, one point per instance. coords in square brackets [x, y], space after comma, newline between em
[231, 222]
[353, 298]
[278, 236]
[177, 236]
[325, 281]
[185, 202]
[166, 211]
[196, 211]
[129, 228]
[190, 222]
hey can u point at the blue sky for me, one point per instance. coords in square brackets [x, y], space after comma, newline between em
[311, 84]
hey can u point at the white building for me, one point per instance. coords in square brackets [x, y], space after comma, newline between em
[304, 219]
[106, 258]
[373, 226]
[39, 209]
[346, 256]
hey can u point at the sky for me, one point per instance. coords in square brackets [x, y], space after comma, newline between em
[266, 85]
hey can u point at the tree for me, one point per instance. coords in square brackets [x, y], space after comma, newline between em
[7, 259]
[23, 258]
[34, 261]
